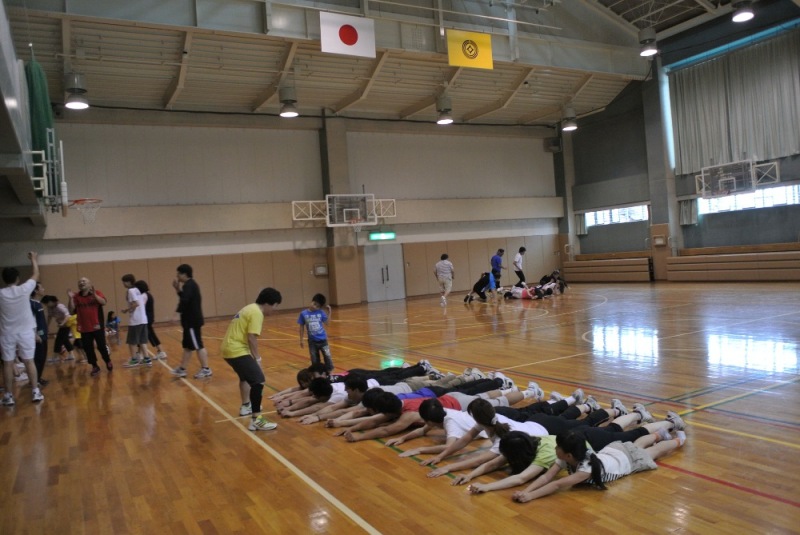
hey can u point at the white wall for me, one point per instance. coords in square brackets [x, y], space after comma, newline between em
[420, 166]
[145, 165]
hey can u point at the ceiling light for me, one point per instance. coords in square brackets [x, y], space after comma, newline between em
[744, 11]
[444, 106]
[568, 123]
[647, 38]
[288, 102]
[76, 102]
[75, 87]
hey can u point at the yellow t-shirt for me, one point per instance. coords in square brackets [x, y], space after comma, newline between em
[72, 323]
[247, 321]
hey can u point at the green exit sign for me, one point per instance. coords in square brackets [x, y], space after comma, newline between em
[382, 235]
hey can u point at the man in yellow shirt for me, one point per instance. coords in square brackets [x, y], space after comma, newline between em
[240, 350]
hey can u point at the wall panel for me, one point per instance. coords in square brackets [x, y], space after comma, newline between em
[479, 256]
[459, 256]
[417, 271]
[286, 266]
[433, 253]
[229, 284]
[257, 268]
[162, 273]
[56, 279]
[311, 283]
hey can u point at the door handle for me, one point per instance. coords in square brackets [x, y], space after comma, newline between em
[383, 277]
[387, 273]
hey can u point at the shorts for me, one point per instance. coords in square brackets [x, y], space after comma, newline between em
[192, 339]
[248, 369]
[446, 285]
[137, 334]
[639, 458]
[23, 343]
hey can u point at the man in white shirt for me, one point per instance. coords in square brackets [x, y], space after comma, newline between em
[18, 328]
[444, 273]
[518, 267]
[137, 324]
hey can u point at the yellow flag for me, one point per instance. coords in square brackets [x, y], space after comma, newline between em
[469, 49]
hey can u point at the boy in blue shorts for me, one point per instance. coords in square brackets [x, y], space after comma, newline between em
[314, 319]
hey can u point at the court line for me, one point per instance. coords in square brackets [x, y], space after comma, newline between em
[760, 438]
[349, 513]
[731, 485]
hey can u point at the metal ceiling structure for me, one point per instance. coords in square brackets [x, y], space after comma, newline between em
[232, 57]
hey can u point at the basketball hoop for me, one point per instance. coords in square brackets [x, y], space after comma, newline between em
[357, 224]
[88, 208]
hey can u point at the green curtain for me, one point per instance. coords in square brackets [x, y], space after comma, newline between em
[39, 99]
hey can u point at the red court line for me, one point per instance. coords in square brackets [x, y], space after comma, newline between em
[732, 485]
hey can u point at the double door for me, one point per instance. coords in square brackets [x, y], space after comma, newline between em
[383, 267]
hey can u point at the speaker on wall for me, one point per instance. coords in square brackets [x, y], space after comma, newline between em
[552, 144]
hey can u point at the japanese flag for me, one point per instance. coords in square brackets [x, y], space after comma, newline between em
[343, 34]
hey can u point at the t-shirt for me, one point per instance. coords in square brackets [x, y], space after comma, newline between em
[314, 320]
[339, 393]
[60, 313]
[457, 423]
[72, 323]
[423, 393]
[150, 308]
[444, 270]
[546, 452]
[139, 314]
[531, 428]
[412, 405]
[616, 464]
[518, 262]
[190, 305]
[15, 309]
[247, 321]
[497, 262]
[41, 320]
[88, 310]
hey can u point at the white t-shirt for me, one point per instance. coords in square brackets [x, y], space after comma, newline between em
[15, 308]
[518, 262]
[458, 423]
[139, 315]
[531, 428]
[616, 464]
[444, 269]
[339, 393]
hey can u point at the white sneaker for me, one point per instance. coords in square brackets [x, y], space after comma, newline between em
[645, 414]
[261, 424]
[37, 395]
[245, 409]
[444, 301]
[538, 393]
[21, 377]
[203, 373]
[161, 355]
[617, 404]
[426, 366]
[507, 383]
[593, 404]
[8, 399]
[555, 396]
[178, 372]
[580, 397]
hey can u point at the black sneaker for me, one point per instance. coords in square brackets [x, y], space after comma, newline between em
[110, 366]
[95, 371]
[466, 298]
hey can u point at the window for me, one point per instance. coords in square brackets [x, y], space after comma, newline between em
[763, 198]
[613, 216]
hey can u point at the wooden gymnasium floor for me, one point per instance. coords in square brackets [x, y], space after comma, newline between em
[139, 451]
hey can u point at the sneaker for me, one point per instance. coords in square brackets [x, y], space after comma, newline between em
[426, 366]
[132, 363]
[70, 356]
[21, 377]
[435, 375]
[54, 360]
[475, 374]
[507, 383]
[466, 298]
[261, 424]
[203, 373]
[471, 299]
[443, 301]
[245, 409]
[555, 396]
[8, 399]
[110, 366]
[95, 371]
[580, 397]
[538, 393]
[43, 382]
[646, 416]
[161, 355]
[593, 404]
[677, 422]
[148, 362]
[617, 404]
[178, 372]
[663, 434]
[37, 395]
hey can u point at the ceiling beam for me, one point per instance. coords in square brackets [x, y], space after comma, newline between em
[66, 44]
[363, 91]
[612, 17]
[708, 6]
[694, 22]
[430, 101]
[516, 86]
[539, 114]
[176, 87]
[270, 92]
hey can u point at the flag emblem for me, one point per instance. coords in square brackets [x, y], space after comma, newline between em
[469, 49]
[343, 34]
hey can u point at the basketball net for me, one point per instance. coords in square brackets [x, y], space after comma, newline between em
[88, 208]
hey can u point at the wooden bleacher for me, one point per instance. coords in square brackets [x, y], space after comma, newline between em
[630, 266]
[769, 262]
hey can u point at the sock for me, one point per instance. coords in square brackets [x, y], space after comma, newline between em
[662, 434]
[507, 391]
[570, 400]
[680, 437]
[527, 394]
